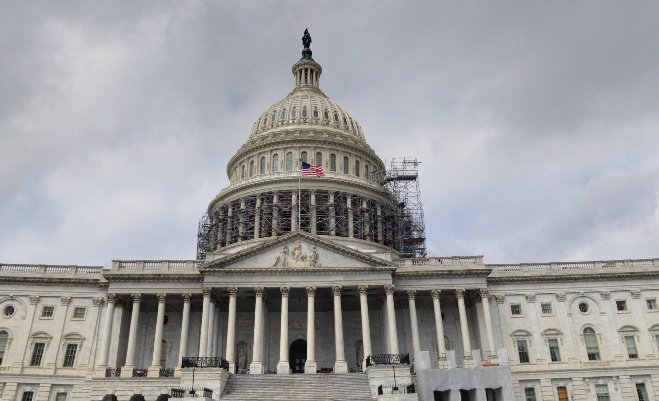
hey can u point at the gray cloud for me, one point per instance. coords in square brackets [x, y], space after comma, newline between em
[536, 123]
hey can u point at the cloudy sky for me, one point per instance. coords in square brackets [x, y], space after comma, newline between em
[537, 122]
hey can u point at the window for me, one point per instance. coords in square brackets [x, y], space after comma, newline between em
[275, 163]
[47, 311]
[304, 157]
[294, 113]
[336, 117]
[79, 312]
[61, 397]
[262, 165]
[366, 171]
[251, 168]
[529, 393]
[357, 167]
[283, 115]
[641, 392]
[516, 310]
[326, 115]
[332, 162]
[27, 396]
[274, 117]
[289, 161]
[546, 309]
[583, 307]
[319, 159]
[621, 305]
[9, 311]
[243, 176]
[651, 303]
[163, 354]
[523, 351]
[345, 122]
[352, 125]
[4, 338]
[265, 121]
[602, 392]
[631, 347]
[346, 166]
[562, 394]
[554, 352]
[37, 354]
[590, 339]
[304, 112]
[70, 355]
[315, 113]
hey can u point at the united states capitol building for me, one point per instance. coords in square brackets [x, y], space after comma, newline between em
[319, 288]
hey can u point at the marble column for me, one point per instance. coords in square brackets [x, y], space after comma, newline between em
[366, 327]
[231, 329]
[185, 326]
[127, 370]
[340, 364]
[275, 213]
[332, 213]
[241, 221]
[310, 365]
[211, 326]
[203, 335]
[351, 225]
[416, 347]
[256, 367]
[294, 211]
[485, 297]
[229, 224]
[439, 324]
[107, 331]
[283, 366]
[464, 327]
[313, 212]
[391, 319]
[380, 233]
[154, 369]
[257, 217]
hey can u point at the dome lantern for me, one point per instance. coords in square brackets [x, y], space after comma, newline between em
[306, 71]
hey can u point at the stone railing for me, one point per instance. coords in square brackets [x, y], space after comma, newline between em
[442, 261]
[155, 265]
[347, 178]
[595, 265]
[51, 269]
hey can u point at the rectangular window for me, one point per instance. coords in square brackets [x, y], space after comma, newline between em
[523, 351]
[642, 392]
[621, 305]
[70, 355]
[516, 310]
[61, 397]
[47, 311]
[275, 163]
[79, 312]
[357, 168]
[346, 166]
[562, 393]
[554, 352]
[651, 303]
[631, 347]
[27, 396]
[546, 309]
[37, 354]
[332, 162]
[602, 392]
[529, 393]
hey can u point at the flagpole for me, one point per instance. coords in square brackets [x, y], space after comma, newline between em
[299, 198]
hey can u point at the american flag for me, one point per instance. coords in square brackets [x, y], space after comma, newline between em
[311, 170]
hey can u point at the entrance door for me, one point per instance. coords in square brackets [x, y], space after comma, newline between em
[297, 355]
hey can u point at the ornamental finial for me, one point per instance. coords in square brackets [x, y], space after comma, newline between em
[306, 42]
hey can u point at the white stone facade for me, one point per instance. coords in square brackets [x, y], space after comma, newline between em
[283, 290]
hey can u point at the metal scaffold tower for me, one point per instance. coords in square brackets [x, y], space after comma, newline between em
[402, 182]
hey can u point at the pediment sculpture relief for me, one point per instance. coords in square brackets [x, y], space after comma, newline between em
[298, 258]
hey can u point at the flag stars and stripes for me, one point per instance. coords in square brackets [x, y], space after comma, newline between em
[311, 170]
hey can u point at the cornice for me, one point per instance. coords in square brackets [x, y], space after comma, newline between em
[338, 248]
[479, 272]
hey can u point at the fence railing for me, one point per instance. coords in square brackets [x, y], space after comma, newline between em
[112, 372]
[166, 372]
[182, 392]
[388, 359]
[204, 362]
[140, 372]
[396, 389]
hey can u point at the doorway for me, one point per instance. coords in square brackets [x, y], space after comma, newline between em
[297, 355]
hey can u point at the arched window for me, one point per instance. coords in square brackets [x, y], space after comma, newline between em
[345, 122]
[275, 163]
[274, 117]
[590, 340]
[243, 176]
[265, 121]
[294, 113]
[4, 338]
[332, 162]
[251, 168]
[289, 161]
[346, 165]
[366, 171]
[304, 112]
[163, 354]
[326, 115]
[303, 156]
[336, 117]
[262, 165]
[357, 168]
[315, 112]
[283, 115]
[319, 159]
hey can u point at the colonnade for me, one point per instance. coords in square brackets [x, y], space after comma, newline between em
[208, 336]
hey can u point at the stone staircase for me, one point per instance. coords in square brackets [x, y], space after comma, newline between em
[298, 387]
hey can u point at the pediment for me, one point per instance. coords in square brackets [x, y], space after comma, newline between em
[295, 251]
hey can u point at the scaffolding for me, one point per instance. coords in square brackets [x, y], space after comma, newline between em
[402, 182]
